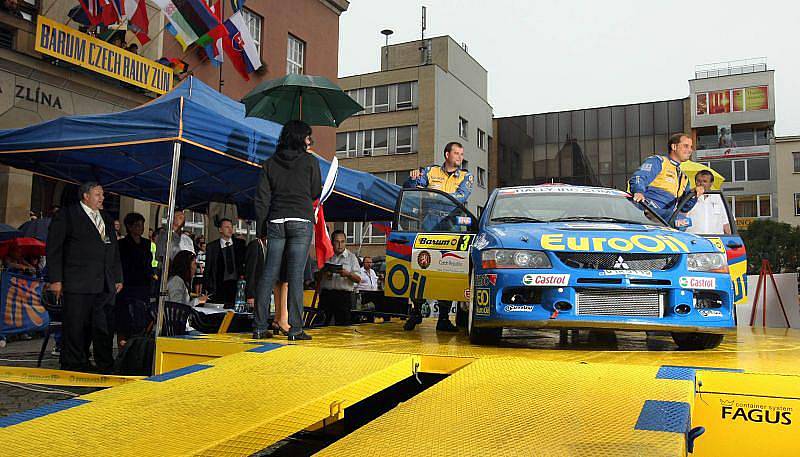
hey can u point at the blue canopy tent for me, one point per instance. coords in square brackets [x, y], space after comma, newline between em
[131, 153]
[185, 149]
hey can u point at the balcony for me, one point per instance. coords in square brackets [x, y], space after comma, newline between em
[732, 67]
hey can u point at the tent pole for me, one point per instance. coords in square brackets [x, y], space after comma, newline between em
[173, 190]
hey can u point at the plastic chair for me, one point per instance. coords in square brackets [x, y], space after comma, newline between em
[54, 309]
[176, 315]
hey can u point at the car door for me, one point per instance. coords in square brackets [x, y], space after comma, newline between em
[729, 243]
[427, 251]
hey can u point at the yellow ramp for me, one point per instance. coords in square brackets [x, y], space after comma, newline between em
[234, 405]
[515, 406]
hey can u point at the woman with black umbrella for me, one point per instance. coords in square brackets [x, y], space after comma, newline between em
[289, 184]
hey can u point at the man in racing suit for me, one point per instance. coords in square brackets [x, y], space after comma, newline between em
[449, 178]
[660, 179]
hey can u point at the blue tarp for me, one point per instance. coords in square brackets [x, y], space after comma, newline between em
[130, 153]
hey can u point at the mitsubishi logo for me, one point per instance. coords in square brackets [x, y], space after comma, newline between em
[620, 264]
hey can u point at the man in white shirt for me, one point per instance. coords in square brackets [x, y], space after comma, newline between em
[180, 241]
[368, 287]
[708, 216]
[338, 285]
[369, 279]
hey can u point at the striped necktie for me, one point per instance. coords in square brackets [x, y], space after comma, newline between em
[98, 222]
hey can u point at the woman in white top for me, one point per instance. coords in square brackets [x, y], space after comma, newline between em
[181, 271]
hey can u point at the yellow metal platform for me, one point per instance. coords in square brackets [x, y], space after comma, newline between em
[235, 405]
[230, 395]
[517, 406]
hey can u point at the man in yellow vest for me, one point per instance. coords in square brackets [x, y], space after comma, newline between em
[451, 179]
[660, 179]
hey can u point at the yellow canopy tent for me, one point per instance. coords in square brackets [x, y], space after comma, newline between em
[691, 169]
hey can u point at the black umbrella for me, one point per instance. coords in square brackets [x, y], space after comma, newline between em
[8, 232]
[36, 228]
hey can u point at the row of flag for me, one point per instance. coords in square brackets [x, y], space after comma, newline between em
[200, 22]
[190, 21]
[110, 12]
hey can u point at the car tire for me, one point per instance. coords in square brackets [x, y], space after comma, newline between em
[485, 336]
[480, 336]
[697, 341]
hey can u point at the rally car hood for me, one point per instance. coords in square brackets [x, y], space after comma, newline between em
[590, 237]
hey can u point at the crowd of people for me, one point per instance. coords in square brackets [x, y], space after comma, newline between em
[109, 282]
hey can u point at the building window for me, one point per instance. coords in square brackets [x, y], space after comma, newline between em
[347, 144]
[797, 204]
[399, 140]
[380, 99]
[796, 157]
[357, 233]
[481, 177]
[375, 142]
[751, 205]
[481, 139]
[742, 170]
[405, 96]
[254, 23]
[404, 142]
[463, 128]
[295, 56]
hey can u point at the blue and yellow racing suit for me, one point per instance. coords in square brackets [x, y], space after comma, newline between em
[458, 183]
[662, 182]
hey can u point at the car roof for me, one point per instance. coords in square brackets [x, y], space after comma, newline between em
[561, 188]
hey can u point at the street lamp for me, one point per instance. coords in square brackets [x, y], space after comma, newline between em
[386, 33]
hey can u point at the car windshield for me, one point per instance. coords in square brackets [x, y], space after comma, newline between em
[516, 206]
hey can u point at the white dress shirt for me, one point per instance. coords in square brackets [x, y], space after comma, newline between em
[708, 216]
[369, 280]
[97, 220]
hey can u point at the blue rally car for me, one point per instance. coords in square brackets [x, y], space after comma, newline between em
[566, 257]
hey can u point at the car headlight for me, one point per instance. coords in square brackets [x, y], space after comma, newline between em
[714, 262]
[514, 258]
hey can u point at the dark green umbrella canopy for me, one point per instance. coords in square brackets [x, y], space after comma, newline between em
[312, 99]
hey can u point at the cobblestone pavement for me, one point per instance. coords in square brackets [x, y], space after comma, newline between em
[18, 397]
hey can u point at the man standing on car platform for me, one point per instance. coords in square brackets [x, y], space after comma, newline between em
[451, 179]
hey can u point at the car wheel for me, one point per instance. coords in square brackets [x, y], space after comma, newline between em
[697, 341]
[485, 336]
[480, 336]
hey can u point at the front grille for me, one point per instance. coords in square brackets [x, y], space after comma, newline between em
[611, 261]
[619, 302]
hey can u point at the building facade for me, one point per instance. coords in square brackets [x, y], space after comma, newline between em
[596, 146]
[733, 119]
[293, 37]
[298, 36]
[787, 165]
[33, 89]
[427, 94]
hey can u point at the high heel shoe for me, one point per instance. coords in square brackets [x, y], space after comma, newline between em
[278, 330]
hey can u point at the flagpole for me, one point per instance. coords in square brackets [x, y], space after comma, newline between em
[221, 64]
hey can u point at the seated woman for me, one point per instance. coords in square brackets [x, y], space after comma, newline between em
[181, 271]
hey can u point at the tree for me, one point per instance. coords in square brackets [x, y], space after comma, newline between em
[777, 242]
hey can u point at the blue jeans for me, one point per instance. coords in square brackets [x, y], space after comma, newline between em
[291, 239]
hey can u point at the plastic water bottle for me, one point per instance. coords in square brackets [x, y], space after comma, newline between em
[240, 304]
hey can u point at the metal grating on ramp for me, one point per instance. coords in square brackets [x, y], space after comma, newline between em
[235, 405]
[514, 406]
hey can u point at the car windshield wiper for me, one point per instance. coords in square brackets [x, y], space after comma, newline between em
[515, 219]
[595, 219]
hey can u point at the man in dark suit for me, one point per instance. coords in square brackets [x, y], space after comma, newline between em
[225, 259]
[84, 265]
